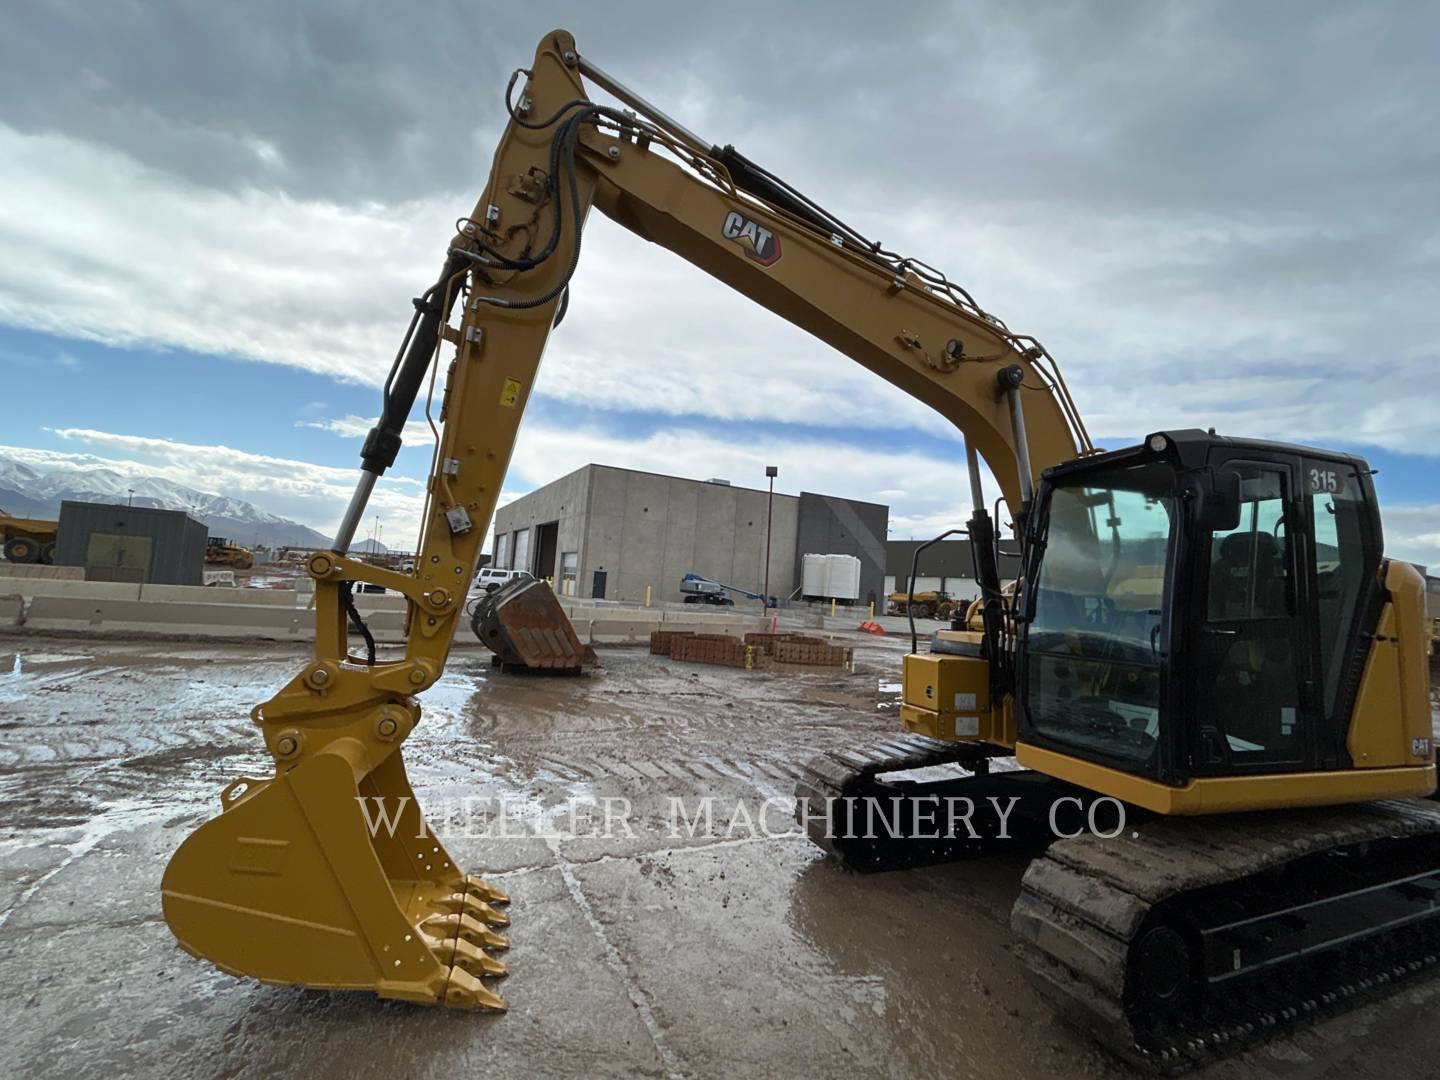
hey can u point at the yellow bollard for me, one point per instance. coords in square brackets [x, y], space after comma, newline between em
[872, 610]
[647, 595]
[832, 607]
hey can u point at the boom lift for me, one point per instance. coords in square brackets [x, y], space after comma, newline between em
[703, 590]
[1206, 626]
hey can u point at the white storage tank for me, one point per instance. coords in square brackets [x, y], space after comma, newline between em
[812, 575]
[842, 577]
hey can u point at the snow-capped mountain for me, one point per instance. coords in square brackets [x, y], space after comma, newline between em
[28, 491]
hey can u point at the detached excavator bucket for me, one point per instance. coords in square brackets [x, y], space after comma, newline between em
[318, 879]
[524, 625]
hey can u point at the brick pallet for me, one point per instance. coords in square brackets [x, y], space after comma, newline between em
[712, 649]
[757, 649]
[814, 653]
[660, 641]
[765, 641]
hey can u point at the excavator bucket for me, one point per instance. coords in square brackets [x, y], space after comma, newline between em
[321, 880]
[524, 625]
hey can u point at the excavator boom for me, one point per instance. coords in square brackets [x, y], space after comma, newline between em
[1150, 656]
[295, 882]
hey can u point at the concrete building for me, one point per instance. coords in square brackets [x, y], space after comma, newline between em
[609, 533]
[944, 567]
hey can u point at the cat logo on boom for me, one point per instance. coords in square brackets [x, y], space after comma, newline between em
[760, 243]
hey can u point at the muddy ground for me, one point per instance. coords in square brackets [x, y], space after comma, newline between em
[722, 954]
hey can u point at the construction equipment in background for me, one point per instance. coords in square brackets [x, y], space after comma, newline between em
[703, 590]
[1174, 651]
[923, 605]
[221, 552]
[28, 540]
[523, 624]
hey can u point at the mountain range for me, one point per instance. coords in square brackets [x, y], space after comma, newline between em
[27, 491]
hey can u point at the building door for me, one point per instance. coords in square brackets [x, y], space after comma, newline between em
[547, 540]
[117, 557]
[597, 590]
[521, 548]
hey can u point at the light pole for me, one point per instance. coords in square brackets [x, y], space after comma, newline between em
[130, 498]
[771, 471]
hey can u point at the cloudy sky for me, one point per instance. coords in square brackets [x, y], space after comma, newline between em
[213, 217]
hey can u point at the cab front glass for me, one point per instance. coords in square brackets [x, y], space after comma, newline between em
[1094, 642]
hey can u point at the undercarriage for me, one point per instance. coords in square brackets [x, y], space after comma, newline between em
[1173, 941]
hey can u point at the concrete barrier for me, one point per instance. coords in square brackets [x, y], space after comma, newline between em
[718, 618]
[71, 589]
[388, 626]
[649, 616]
[201, 594]
[620, 631]
[377, 601]
[160, 617]
[736, 630]
[39, 571]
[286, 614]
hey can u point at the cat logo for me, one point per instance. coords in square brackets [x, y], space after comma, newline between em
[760, 243]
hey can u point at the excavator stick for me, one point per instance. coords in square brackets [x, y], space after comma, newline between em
[327, 876]
[524, 625]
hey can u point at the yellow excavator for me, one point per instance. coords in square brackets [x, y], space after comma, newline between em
[1207, 640]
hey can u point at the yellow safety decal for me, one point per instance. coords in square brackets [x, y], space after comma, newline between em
[510, 393]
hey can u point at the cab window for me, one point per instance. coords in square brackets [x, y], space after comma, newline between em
[1249, 662]
[1343, 562]
[1093, 645]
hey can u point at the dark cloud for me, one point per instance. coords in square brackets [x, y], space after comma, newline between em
[1289, 111]
[1196, 190]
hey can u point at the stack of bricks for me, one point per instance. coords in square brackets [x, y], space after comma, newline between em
[662, 640]
[764, 642]
[813, 652]
[711, 649]
[756, 650]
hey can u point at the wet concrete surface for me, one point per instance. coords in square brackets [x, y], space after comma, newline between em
[643, 952]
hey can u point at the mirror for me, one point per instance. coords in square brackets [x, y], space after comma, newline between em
[1215, 497]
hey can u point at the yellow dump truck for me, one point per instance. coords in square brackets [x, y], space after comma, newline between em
[925, 604]
[28, 540]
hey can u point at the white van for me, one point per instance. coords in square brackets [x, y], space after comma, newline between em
[491, 578]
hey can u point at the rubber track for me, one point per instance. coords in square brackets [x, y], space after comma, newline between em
[828, 779]
[1082, 904]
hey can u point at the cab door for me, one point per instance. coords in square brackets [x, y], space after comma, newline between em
[1250, 643]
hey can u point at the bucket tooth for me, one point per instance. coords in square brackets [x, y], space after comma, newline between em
[483, 890]
[466, 928]
[466, 904]
[474, 959]
[490, 916]
[465, 991]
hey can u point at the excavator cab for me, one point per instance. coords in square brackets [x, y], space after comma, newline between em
[1201, 616]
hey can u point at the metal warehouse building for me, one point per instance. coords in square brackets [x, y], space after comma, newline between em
[609, 533]
[945, 567]
[131, 543]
